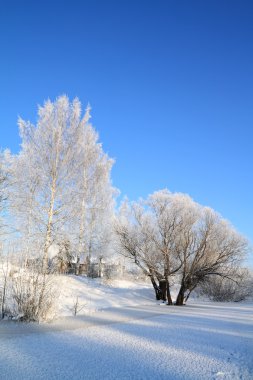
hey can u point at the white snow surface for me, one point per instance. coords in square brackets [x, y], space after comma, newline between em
[96, 294]
[123, 333]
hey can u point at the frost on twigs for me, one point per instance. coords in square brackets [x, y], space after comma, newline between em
[34, 295]
[172, 239]
[77, 306]
[61, 191]
[235, 288]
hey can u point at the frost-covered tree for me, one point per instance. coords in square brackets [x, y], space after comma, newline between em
[3, 191]
[235, 286]
[22, 203]
[211, 247]
[149, 232]
[48, 190]
[95, 195]
[174, 239]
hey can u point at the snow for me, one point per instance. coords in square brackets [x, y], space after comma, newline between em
[96, 294]
[118, 337]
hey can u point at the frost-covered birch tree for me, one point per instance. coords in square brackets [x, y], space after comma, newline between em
[95, 196]
[55, 176]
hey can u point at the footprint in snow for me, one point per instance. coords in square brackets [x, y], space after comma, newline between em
[220, 374]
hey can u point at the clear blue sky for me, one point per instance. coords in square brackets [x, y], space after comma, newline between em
[170, 84]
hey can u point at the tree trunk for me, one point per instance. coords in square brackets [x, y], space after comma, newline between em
[163, 289]
[169, 299]
[180, 296]
[46, 248]
[189, 293]
[156, 288]
[81, 237]
[50, 214]
[77, 266]
[3, 297]
[166, 275]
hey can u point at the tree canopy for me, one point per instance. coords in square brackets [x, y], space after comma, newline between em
[174, 239]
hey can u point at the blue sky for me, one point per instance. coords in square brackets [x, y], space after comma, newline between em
[170, 84]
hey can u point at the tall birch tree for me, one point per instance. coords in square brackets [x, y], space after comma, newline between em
[54, 174]
[95, 196]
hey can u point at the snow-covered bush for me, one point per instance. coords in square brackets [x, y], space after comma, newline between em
[4, 285]
[33, 295]
[224, 289]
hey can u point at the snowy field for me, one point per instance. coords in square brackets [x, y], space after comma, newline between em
[115, 338]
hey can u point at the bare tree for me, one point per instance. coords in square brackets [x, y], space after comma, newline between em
[132, 243]
[148, 232]
[210, 248]
[174, 239]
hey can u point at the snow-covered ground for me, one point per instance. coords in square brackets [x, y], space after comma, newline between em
[97, 294]
[121, 337]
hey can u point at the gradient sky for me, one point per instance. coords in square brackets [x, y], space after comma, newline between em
[170, 84]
